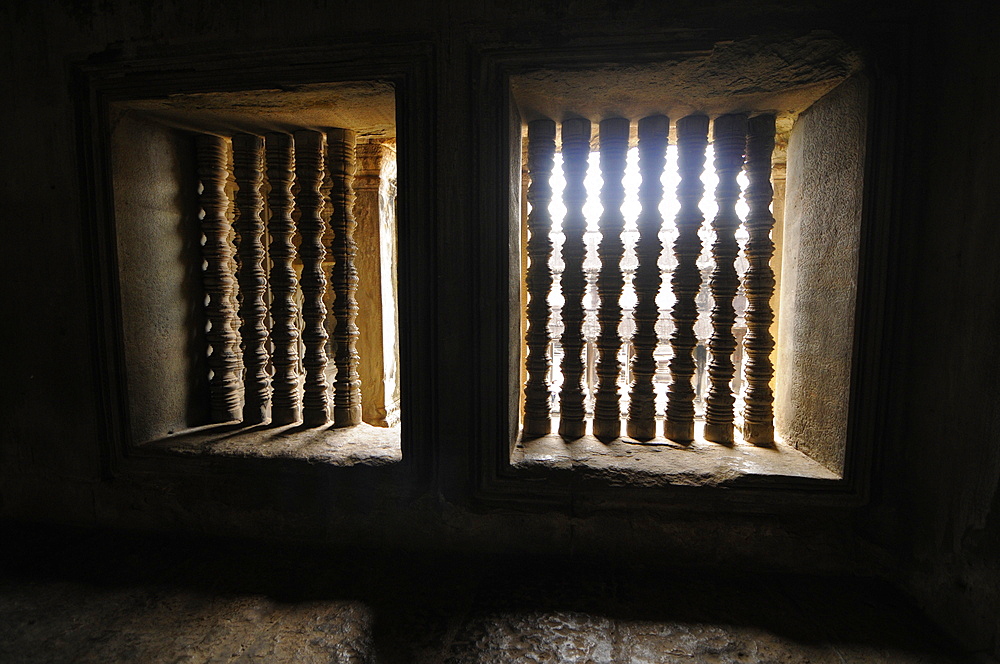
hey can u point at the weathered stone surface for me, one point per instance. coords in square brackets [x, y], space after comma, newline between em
[741, 75]
[362, 443]
[819, 274]
[367, 105]
[660, 462]
[86, 597]
[935, 506]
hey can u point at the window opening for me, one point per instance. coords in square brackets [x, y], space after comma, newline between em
[668, 208]
[646, 290]
[281, 278]
[257, 264]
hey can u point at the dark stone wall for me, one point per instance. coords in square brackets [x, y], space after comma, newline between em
[933, 521]
[936, 504]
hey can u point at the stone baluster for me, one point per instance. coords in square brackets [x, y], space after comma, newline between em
[729, 138]
[324, 189]
[248, 170]
[575, 151]
[309, 151]
[541, 157]
[234, 269]
[286, 404]
[758, 284]
[220, 283]
[610, 281]
[341, 162]
[653, 133]
[591, 328]
[692, 139]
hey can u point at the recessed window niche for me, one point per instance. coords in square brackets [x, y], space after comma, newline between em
[256, 241]
[815, 116]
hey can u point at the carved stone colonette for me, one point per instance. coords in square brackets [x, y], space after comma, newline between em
[740, 143]
[255, 373]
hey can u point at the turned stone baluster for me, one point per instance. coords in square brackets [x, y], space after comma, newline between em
[309, 149]
[328, 261]
[248, 165]
[217, 252]
[652, 157]
[286, 403]
[692, 139]
[541, 157]
[234, 269]
[344, 277]
[575, 151]
[758, 284]
[729, 134]
[610, 280]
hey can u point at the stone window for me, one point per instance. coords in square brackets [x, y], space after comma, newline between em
[816, 110]
[256, 242]
[659, 243]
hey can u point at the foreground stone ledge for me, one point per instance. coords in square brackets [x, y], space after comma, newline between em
[361, 444]
[663, 462]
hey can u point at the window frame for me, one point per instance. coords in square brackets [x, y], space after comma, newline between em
[497, 482]
[407, 66]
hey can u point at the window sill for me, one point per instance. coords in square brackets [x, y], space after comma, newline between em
[661, 462]
[362, 444]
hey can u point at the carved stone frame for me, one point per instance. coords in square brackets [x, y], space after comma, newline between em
[408, 67]
[497, 482]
